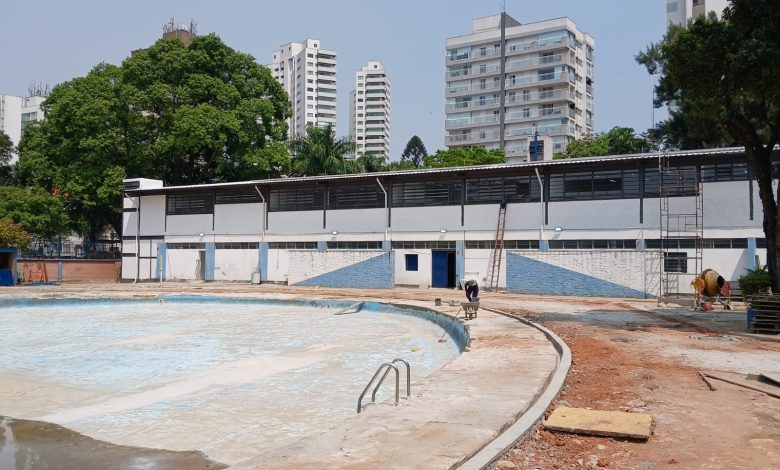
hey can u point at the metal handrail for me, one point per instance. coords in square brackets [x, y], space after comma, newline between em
[371, 382]
[408, 376]
[379, 384]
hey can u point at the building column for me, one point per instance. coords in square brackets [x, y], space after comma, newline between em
[460, 262]
[162, 256]
[262, 261]
[322, 246]
[751, 253]
[59, 270]
[210, 256]
[544, 245]
[386, 245]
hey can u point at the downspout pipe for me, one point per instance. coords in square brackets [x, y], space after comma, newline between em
[265, 209]
[387, 209]
[541, 206]
[137, 241]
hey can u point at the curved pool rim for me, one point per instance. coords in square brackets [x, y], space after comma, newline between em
[456, 330]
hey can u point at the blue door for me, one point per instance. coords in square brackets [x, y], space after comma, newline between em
[440, 275]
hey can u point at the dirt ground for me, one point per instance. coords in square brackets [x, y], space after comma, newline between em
[645, 366]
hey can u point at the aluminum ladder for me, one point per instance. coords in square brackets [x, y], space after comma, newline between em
[494, 268]
[387, 367]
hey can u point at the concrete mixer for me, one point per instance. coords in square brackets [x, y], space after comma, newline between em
[709, 287]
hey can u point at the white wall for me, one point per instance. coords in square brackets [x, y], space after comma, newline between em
[189, 224]
[476, 267]
[424, 273]
[616, 213]
[306, 264]
[356, 220]
[277, 265]
[238, 219]
[295, 222]
[181, 264]
[153, 215]
[433, 219]
[235, 265]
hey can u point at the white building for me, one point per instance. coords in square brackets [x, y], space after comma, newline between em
[595, 230]
[369, 111]
[308, 74]
[679, 12]
[11, 117]
[524, 88]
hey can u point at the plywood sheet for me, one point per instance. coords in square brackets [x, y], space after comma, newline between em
[746, 381]
[772, 377]
[600, 423]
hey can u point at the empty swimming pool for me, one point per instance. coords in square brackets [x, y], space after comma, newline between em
[231, 378]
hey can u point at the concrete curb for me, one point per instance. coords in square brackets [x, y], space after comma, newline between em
[534, 413]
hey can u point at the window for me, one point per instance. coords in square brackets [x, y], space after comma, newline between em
[238, 197]
[592, 244]
[676, 262]
[354, 245]
[427, 193]
[495, 190]
[508, 244]
[411, 262]
[678, 181]
[187, 204]
[296, 199]
[186, 246]
[598, 185]
[236, 246]
[724, 172]
[424, 245]
[292, 245]
[355, 197]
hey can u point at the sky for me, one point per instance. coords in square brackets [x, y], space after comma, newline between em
[51, 41]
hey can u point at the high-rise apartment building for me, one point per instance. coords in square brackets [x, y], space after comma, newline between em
[17, 112]
[308, 74]
[523, 88]
[681, 11]
[369, 111]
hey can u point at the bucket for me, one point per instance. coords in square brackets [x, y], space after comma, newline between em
[437, 302]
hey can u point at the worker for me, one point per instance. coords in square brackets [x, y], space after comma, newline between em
[472, 290]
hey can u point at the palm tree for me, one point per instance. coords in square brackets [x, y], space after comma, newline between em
[320, 152]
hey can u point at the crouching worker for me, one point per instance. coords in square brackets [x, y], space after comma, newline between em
[472, 290]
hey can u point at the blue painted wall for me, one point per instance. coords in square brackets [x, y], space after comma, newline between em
[162, 256]
[210, 261]
[529, 276]
[460, 262]
[262, 261]
[375, 273]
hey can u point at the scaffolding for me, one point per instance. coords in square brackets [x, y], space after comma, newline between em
[681, 225]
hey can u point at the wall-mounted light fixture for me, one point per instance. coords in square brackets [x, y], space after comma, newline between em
[443, 230]
[334, 232]
[200, 234]
[558, 229]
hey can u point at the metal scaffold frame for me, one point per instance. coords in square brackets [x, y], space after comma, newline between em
[680, 195]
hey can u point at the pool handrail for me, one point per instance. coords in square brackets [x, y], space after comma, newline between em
[384, 367]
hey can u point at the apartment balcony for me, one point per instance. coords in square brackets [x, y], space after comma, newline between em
[542, 78]
[517, 151]
[473, 138]
[473, 55]
[539, 45]
[473, 72]
[540, 97]
[473, 104]
[543, 113]
[524, 132]
[472, 89]
[471, 122]
[535, 62]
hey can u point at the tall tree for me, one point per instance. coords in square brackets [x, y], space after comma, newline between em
[414, 151]
[7, 151]
[38, 212]
[463, 156]
[617, 141]
[726, 70]
[321, 153]
[13, 234]
[371, 163]
[181, 113]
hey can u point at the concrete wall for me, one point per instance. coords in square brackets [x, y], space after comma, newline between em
[607, 273]
[342, 268]
[181, 264]
[235, 265]
[239, 219]
[70, 270]
[421, 277]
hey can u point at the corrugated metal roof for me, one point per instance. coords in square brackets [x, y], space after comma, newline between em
[717, 152]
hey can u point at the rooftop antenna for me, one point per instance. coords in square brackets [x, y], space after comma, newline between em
[503, 6]
[193, 26]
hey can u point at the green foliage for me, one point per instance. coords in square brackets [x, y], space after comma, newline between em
[371, 163]
[755, 281]
[12, 234]
[618, 141]
[401, 165]
[724, 74]
[321, 153]
[184, 114]
[414, 151]
[464, 156]
[38, 212]
[7, 151]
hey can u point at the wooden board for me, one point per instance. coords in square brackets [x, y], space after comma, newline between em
[600, 423]
[745, 382]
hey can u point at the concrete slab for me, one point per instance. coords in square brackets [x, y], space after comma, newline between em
[772, 377]
[600, 423]
[745, 381]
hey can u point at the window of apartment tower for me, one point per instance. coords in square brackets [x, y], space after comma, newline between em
[483, 68]
[482, 84]
[526, 95]
[526, 112]
[483, 51]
